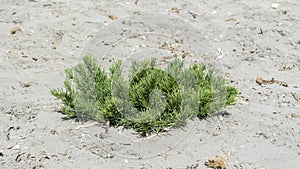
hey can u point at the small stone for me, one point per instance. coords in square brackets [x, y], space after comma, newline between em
[275, 5]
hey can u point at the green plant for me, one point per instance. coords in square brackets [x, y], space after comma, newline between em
[66, 96]
[151, 101]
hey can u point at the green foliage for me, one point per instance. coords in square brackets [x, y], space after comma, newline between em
[151, 101]
[66, 96]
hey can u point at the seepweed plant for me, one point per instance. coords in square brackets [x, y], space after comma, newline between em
[152, 100]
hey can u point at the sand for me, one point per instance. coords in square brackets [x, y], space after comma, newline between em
[242, 39]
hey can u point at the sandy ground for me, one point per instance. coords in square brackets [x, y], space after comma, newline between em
[250, 38]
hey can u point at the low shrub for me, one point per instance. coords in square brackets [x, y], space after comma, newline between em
[152, 100]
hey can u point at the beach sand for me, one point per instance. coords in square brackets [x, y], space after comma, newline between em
[246, 40]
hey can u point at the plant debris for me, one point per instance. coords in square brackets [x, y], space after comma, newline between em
[194, 15]
[136, 2]
[286, 68]
[112, 17]
[15, 30]
[217, 162]
[176, 10]
[28, 84]
[296, 96]
[293, 115]
[262, 81]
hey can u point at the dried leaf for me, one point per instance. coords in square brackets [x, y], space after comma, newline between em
[283, 84]
[193, 14]
[261, 81]
[15, 147]
[136, 13]
[167, 46]
[217, 162]
[28, 84]
[231, 19]
[227, 75]
[286, 68]
[184, 54]
[15, 30]
[293, 115]
[176, 10]
[296, 96]
[112, 17]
